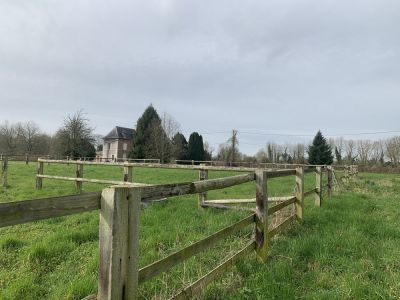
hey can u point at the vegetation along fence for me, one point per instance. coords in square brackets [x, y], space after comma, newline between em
[119, 206]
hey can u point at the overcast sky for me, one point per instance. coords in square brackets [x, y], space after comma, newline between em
[282, 67]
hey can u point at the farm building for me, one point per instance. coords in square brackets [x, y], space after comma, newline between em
[117, 143]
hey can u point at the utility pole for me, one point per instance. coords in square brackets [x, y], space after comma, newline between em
[234, 144]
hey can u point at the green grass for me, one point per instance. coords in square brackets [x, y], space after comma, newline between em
[348, 249]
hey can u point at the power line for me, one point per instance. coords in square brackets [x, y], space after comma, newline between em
[302, 135]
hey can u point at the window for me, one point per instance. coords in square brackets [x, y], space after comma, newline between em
[125, 146]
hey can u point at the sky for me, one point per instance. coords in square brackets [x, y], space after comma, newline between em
[275, 70]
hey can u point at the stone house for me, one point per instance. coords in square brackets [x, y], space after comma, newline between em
[117, 144]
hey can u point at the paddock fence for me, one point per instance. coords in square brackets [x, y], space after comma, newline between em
[119, 209]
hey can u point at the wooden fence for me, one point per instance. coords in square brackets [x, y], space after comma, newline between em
[127, 176]
[4, 171]
[119, 272]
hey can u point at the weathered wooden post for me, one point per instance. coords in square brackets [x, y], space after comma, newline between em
[128, 174]
[299, 204]
[318, 186]
[119, 243]
[39, 180]
[4, 171]
[26, 158]
[203, 175]
[261, 230]
[346, 174]
[330, 180]
[79, 174]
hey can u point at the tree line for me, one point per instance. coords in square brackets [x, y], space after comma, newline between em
[383, 152]
[75, 138]
[161, 137]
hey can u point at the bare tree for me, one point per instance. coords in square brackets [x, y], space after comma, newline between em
[75, 137]
[350, 151]
[208, 151]
[170, 125]
[8, 137]
[393, 150]
[364, 148]
[28, 135]
[377, 153]
[262, 156]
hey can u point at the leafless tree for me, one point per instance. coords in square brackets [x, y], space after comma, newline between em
[393, 150]
[350, 151]
[28, 134]
[364, 148]
[377, 153]
[170, 125]
[75, 137]
[8, 137]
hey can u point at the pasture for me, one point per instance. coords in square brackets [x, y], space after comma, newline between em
[346, 249]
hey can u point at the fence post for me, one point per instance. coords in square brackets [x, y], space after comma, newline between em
[203, 175]
[26, 158]
[318, 186]
[39, 181]
[261, 230]
[119, 243]
[79, 174]
[128, 174]
[299, 204]
[330, 181]
[4, 170]
[346, 174]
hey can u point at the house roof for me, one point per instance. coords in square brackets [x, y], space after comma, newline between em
[120, 133]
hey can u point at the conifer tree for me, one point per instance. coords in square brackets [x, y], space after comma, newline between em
[196, 147]
[144, 126]
[320, 152]
[179, 146]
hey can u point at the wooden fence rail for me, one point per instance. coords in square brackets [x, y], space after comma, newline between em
[127, 175]
[119, 273]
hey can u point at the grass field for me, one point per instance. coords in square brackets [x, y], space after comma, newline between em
[348, 249]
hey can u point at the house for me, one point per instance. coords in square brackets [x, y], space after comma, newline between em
[117, 144]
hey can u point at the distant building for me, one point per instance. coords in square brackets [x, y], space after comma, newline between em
[117, 144]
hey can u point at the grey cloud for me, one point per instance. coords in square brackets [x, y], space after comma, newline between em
[275, 66]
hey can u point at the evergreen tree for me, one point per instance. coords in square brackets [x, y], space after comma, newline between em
[195, 147]
[148, 121]
[320, 152]
[179, 147]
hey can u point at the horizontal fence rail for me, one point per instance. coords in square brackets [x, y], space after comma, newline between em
[167, 263]
[13, 213]
[200, 284]
[101, 181]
